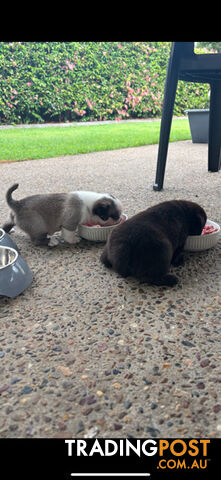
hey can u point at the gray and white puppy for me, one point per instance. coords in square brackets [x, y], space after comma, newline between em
[40, 216]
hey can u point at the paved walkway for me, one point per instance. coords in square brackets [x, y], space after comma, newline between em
[87, 353]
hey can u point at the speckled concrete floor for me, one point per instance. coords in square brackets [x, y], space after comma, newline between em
[84, 352]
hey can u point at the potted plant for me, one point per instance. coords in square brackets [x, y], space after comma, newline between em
[199, 125]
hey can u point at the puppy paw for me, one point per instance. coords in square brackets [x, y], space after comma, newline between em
[104, 259]
[170, 280]
[70, 236]
[75, 240]
[53, 242]
[178, 260]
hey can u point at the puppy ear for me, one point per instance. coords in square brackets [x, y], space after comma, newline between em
[101, 209]
[197, 223]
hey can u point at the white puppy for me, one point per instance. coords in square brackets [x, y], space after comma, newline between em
[40, 216]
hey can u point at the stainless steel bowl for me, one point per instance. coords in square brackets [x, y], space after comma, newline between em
[6, 240]
[7, 257]
[15, 274]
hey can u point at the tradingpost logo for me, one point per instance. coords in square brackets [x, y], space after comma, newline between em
[167, 454]
[183, 454]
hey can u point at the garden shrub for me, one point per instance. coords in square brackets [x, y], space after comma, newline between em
[70, 81]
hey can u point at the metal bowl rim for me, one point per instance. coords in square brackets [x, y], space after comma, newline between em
[14, 260]
[2, 233]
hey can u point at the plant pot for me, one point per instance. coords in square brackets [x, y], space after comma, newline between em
[199, 125]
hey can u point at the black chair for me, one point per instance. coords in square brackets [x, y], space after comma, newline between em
[185, 65]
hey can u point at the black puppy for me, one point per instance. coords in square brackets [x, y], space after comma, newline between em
[148, 243]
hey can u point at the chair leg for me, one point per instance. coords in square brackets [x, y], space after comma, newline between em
[214, 156]
[168, 104]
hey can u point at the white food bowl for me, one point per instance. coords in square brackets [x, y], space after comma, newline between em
[97, 234]
[196, 243]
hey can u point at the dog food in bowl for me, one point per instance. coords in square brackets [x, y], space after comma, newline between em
[209, 238]
[98, 233]
[209, 229]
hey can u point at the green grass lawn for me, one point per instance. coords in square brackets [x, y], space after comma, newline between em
[33, 143]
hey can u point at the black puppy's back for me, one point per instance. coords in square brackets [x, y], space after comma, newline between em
[145, 245]
[134, 253]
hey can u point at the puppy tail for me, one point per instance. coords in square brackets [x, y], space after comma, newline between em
[13, 204]
[7, 227]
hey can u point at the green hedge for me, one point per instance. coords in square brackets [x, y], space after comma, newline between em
[69, 81]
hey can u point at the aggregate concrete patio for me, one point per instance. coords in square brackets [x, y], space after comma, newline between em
[85, 353]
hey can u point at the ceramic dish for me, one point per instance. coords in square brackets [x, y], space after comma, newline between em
[15, 275]
[195, 243]
[97, 234]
